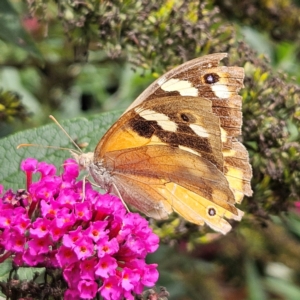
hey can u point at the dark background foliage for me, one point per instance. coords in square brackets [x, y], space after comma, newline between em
[79, 58]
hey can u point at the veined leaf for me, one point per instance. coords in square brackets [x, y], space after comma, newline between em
[80, 129]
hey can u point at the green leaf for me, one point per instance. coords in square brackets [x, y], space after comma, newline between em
[293, 223]
[81, 130]
[255, 287]
[12, 30]
[27, 273]
[285, 289]
[293, 130]
[5, 268]
[259, 41]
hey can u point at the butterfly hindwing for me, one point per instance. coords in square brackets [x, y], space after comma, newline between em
[172, 179]
[237, 170]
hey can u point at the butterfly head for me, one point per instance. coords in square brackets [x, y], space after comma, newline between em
[84, 160]
[100, 174]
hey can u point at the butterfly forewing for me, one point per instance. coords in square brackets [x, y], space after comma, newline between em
[202, 77]
[220, 85]
[187, 123]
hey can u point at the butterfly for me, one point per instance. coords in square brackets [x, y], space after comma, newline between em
[175, 148]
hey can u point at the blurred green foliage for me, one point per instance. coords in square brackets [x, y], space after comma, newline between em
[76, 58]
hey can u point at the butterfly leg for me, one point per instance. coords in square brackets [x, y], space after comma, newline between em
[84, 180]
[119, 195]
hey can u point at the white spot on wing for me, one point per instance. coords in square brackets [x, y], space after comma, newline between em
[221, 90]
[183, 87]
[199, 130]
[223, 135]
[162, 120]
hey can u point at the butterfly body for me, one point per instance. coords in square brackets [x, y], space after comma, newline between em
[175, 148]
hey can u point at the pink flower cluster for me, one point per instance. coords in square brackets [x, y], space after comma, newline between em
[99, 246]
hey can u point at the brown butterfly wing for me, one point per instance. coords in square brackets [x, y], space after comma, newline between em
[157, 179]
[189, 71]
[167, 155]
[237, 170]
[194, 111]
[173, 197]
[188, 123]
[202, 77]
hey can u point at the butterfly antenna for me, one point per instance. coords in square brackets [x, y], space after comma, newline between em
[65, 132]
[43, 146]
